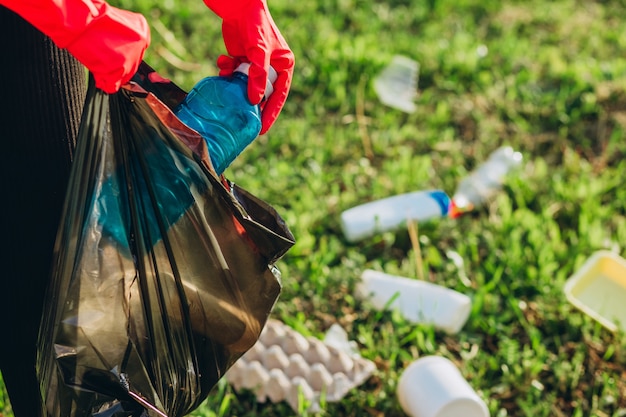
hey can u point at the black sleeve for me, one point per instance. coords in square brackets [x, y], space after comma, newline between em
[42, 89]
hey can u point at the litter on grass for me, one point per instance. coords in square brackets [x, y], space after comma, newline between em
[396, 85]
[392, 213]
[598, 289]
[433, 386]
[286, 366]
[418, 301]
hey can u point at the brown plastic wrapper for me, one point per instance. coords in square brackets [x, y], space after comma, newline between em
[164, 271]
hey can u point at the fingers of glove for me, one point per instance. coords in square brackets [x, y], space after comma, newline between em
[282, 61]
[275, 102]
[271, 108]
[256, 77]
[243, 49]
[111, 82]
[257, 80]
[226, 65]
[249, 38]
[262, 45]
[255, 38]
[112, 47]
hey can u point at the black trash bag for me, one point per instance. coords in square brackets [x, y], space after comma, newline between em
[164, 271]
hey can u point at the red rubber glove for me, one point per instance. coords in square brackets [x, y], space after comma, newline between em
[110, 42]
[250, 35]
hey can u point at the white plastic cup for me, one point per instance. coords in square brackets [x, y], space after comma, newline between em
[418, 301]
[433, 386]
[396, 85]
[392, 213]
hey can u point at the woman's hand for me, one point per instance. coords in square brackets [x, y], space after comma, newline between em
[250, 35]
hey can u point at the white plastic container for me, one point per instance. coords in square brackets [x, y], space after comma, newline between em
[418, 301]
[396, 85]
[391, 213]
[433, 386]
[486, 180]
[598, 289]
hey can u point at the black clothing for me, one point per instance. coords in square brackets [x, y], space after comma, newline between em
[43, 90]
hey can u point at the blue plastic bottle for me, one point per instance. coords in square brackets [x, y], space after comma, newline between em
[218, 109]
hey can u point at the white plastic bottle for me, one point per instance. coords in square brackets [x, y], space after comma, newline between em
[393, 212]
[418, 301]
[486, 180]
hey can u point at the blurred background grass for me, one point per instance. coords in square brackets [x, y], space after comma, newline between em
[546, 77]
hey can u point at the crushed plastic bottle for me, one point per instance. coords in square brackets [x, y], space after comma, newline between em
[485, 181]
[219, 110]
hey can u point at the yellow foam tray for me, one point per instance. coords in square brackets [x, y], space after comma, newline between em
[598, 288]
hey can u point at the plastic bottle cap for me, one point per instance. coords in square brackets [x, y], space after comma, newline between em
[272, 75]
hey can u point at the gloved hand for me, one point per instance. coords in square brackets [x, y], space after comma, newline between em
[110, 42]
[250, 35]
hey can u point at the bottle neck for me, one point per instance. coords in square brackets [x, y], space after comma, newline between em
[272, 75]
[240, 76]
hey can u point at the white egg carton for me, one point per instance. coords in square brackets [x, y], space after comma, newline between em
[286, 366]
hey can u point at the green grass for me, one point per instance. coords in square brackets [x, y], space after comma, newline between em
[552, 85]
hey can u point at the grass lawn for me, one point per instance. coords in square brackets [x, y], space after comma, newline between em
[545, 77]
